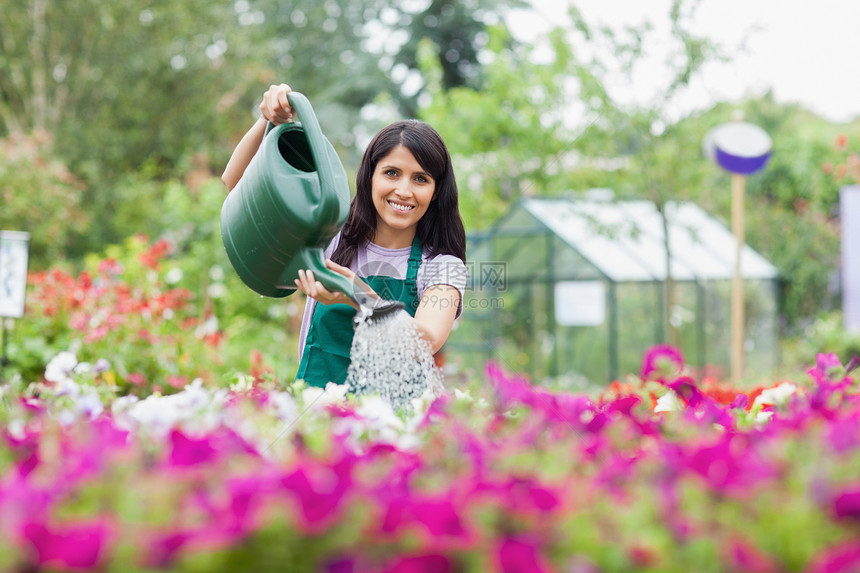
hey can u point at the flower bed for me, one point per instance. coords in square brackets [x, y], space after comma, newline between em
[130, 448]
[504, 477]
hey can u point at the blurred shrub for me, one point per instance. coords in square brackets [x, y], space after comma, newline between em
[41, 196]
[169, 309]
[826, 334]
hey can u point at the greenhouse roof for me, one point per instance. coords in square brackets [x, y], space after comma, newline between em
[624, 239]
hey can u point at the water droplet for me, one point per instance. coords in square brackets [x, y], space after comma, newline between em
[389, 358]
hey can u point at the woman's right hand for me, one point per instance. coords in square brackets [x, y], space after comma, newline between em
[275, 106]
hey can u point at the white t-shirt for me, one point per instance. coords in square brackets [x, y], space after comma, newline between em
[375, 260]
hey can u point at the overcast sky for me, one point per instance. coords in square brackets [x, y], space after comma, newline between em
[807, 51]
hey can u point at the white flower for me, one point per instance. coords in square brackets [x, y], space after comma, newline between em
[777, 396]
[207, 327]
[90, 404]
[173, 276]
[216, 290]
[216, 273]
[66, 418]
[460, 395]
[82, 368]
[101, 365]
[122, 404]
[194, 406]
[379, 421]
[67, 387]
[284, 405]
[668, 402]
[17, 428]
[763, 417]
[316, 398]
[378, 412]
[60, 367]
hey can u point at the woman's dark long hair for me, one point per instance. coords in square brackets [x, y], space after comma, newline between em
[441, 229]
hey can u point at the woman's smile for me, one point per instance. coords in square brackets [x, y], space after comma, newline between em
[403, 207]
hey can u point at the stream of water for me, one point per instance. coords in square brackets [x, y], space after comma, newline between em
[389, 358]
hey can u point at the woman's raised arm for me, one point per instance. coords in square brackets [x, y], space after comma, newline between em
[274, 108]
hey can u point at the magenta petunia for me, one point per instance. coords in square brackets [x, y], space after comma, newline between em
[846, 504]
[661, 363]
[438, 517]
[520, 555]
[828, 369]
[319, 491]
[731, 465]
[841, 558]
[510, 390]
[744, 557]
[421, 564]
[187, 451]
[687, 390]
[81, 545]
[166, 547]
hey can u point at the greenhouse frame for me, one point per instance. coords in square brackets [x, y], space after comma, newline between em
[572, 292]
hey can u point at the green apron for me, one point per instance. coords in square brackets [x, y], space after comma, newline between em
[329, 339]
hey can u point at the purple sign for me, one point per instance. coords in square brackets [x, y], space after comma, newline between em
[738, 147]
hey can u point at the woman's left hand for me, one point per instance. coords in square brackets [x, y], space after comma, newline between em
[313, 288]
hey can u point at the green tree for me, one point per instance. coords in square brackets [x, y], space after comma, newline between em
[459, 33]
[120, 84]
[508, 138]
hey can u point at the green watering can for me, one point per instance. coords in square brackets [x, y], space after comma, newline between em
[291, 200]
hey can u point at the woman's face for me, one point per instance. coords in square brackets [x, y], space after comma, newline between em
[402, 192]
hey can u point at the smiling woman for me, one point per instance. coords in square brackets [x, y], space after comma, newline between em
[403, 237]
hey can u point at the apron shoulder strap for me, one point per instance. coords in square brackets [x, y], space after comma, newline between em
[414, 260]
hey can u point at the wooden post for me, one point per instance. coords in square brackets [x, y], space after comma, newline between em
[740, 148]
[738, 182]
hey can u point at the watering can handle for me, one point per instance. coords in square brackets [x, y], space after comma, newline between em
[318, 145]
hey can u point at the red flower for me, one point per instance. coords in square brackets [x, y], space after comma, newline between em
[156, 252]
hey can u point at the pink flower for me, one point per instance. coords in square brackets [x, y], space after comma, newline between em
[841, 558]
[510, 390]
[731, 465]
[828, 368]
[136, 378]
[661, 363]
[76, 546]
[744, 557]
[110, 266]
[846, 505]
[25, 448]
[421, 564]
[687, 390]
[437, 516]
[843, 433]
[187, 451]
[527, 495]
[520, 555]
[177, 381]
[165, 548]
[319, 491]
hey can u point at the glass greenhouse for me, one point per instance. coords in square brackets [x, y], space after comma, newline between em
[572, 292]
